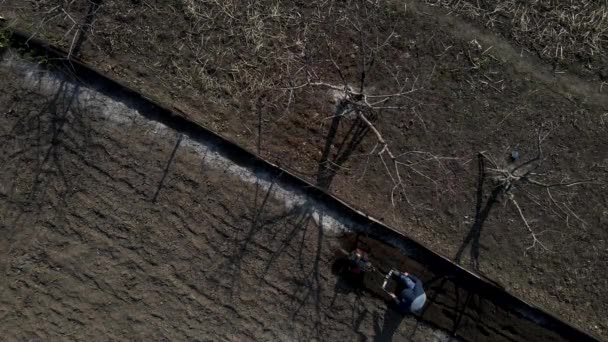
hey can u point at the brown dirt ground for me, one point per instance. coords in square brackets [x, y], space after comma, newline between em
[115, 226]
[229, 77]
[110, 232]
[569, 36]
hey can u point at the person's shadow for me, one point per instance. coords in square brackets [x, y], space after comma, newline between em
[390, 323]
[391, 320]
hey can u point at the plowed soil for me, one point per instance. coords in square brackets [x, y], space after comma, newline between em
[115, 226]
[234, 71]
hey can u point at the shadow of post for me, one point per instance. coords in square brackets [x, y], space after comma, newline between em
[481, 214]
[166, 170]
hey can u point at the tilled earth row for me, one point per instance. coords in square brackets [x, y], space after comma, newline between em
[232, 68]
[116, 227]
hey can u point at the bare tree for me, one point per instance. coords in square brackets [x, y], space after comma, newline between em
[356, 99]
[518, 175]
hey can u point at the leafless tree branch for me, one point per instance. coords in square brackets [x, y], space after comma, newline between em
[507, 177]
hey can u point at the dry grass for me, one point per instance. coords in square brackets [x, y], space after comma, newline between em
[254, 39]
[249, 48]
[557, 29]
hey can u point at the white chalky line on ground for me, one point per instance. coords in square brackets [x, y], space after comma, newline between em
[119, 114]
[291, 198]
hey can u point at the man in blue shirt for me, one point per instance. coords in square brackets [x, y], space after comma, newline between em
[411, 298]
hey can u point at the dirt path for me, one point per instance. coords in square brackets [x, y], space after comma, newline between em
[115, 225]
[524, 62]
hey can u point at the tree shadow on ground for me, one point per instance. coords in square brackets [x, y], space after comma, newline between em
[463, 303]
[329, 166]
[86, 27]
[295, 233]
[310, 283]
[303, 217]
[481, 214]
[256, 225]
[46, 135]
[386, 327]
[50, 136]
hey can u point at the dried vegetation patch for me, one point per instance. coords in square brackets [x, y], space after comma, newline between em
[557, 29]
